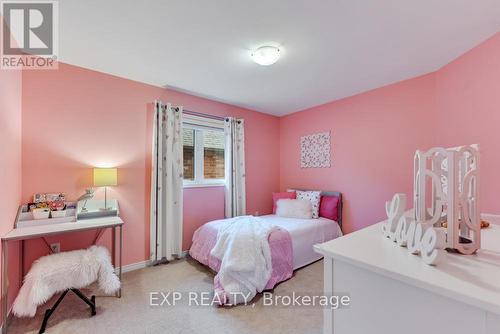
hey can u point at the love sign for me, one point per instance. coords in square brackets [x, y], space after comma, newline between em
[395, 210]
[419, 238]
[426, 241]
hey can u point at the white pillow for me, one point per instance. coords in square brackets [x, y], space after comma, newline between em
[314, 197]
[294, 208]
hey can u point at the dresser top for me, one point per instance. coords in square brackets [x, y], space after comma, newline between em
[472, 279]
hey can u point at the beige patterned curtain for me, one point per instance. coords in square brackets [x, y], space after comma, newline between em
[166, 183]
[235, 197]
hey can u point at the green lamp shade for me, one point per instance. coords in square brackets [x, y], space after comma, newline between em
[104, 177]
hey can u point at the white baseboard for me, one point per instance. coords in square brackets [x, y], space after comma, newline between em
[143, 264]
[492, 218]
[135, 266]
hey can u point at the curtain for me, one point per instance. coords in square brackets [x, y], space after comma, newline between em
[235, 197]
[166, 183]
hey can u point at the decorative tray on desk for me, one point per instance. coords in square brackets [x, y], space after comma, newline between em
[25, 217]
[94, 209]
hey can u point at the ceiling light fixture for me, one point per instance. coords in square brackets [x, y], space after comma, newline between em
[266, 55]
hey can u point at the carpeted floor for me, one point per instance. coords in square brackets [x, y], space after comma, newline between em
[133, 313]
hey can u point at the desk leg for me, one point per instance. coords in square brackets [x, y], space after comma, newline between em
[120, 261]
[21, 262]
[113, 247]
[113, 257]
[5, 286]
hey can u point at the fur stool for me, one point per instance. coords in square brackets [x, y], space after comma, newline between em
[62, 272]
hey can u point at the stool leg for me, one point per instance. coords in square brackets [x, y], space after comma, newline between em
[90, 302]
[51, 310]
[93, 306]
[44, 323]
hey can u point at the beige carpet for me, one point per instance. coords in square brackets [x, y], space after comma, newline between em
[132, 313]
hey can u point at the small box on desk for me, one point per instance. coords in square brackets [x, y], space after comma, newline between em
[25, 217]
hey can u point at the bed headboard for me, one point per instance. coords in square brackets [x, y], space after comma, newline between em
[339, 205]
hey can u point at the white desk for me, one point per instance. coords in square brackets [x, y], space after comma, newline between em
[393, 291]
[26, 233]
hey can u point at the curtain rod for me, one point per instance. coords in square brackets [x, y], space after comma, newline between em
[194, 113]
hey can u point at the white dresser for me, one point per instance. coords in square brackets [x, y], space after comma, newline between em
[393, 291]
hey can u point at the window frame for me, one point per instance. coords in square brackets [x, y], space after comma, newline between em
[199, 125]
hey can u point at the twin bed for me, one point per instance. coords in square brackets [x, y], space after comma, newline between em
[304, 234]
[290, 242]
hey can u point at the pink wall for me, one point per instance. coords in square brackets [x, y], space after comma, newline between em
[74, 118]
[374, 136]
[468, 97]
[10, 162]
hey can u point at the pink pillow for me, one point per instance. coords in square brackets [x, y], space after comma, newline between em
[328, 207]
[285, 195]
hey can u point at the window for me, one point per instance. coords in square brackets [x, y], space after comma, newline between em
[213, 155]
[203, 148]
[188, 148]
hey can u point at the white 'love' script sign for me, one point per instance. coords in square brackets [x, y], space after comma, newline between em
[426, 241]
[417, 237]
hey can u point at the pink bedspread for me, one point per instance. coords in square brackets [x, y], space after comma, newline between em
[280, 242]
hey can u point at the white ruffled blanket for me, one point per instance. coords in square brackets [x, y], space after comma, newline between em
[58, 272]
[243, 248]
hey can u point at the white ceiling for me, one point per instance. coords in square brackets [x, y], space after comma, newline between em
[332, 49]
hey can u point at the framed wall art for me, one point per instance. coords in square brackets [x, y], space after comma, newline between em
[315, 150]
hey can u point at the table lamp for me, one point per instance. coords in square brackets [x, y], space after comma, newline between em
[105, 177]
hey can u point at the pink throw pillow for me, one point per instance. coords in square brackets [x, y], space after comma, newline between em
[284, 195]
[328, 207]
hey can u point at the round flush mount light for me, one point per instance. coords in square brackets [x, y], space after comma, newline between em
[266, 55]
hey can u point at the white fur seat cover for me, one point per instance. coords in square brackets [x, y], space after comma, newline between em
[55, 273]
